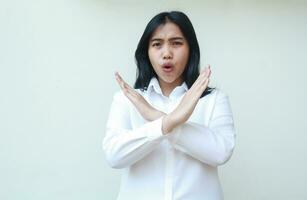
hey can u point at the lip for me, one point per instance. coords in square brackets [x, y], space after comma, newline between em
[167, 67]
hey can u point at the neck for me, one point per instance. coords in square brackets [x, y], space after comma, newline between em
[167, 88]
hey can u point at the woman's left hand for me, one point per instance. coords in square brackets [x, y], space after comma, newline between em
[146, 110]
[188, 103]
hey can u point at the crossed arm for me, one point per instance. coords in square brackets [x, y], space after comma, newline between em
[183, 111]
[212, 145]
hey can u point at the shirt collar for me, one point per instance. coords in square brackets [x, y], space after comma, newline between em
[154, 85]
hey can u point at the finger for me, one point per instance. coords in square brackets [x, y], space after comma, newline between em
[128, 90]
[204, 73]
[202, 87]
[199, 79]
[125, 85]
[208, 69]
[208, 72]
[205, 85]
[119, 77]
[132, 96]
[202, 70]
[205, 76]
[121, 81]
[118, 80]
[203, 81]
[201, 75]
[128, 94]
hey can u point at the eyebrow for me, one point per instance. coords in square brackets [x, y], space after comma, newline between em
[171, 39]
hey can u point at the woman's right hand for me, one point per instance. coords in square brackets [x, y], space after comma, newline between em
[187, 105]
[145, 109]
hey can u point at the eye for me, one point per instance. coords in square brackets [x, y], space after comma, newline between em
[156, 44]
[177, 43]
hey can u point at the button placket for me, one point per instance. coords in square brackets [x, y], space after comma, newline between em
[169, 162]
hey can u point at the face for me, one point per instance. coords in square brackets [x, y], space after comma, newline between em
[168, 53]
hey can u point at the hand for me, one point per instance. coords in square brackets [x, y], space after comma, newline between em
[145, 109]
[187, 105]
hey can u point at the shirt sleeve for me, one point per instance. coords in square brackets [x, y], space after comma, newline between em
[212, 144]
[124, 146]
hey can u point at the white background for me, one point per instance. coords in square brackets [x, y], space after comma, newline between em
[57, 60]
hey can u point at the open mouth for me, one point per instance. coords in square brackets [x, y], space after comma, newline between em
[167, 68]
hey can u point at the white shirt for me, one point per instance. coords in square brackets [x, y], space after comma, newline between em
[181, 165]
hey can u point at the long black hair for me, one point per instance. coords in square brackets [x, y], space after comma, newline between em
[145, 70]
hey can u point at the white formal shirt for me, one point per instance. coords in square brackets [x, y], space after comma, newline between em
[181, 165]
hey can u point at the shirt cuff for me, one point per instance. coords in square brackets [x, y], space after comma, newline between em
[155, 130]
[174, 135]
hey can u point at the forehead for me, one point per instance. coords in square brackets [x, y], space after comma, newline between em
[167, 30]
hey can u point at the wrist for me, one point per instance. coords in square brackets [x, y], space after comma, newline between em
[159, 114]
[167, 124]
[156, 114]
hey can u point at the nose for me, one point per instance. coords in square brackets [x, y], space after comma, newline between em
[167, 54]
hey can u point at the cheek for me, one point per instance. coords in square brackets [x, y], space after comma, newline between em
[152, 57]
[184, 55]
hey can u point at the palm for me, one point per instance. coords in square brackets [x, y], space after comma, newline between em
[145, 109]
[187, 105]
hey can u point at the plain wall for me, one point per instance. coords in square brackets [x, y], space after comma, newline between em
[57, 60]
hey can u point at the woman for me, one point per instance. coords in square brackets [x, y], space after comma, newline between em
[171, 131]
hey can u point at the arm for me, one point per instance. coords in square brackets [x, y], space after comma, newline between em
[124, 146]
[214, 144]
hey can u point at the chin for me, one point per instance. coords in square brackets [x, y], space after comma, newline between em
[169, 80]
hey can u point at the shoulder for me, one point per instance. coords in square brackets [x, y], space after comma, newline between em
[217, 94]
[220, 93]
[221, 98]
